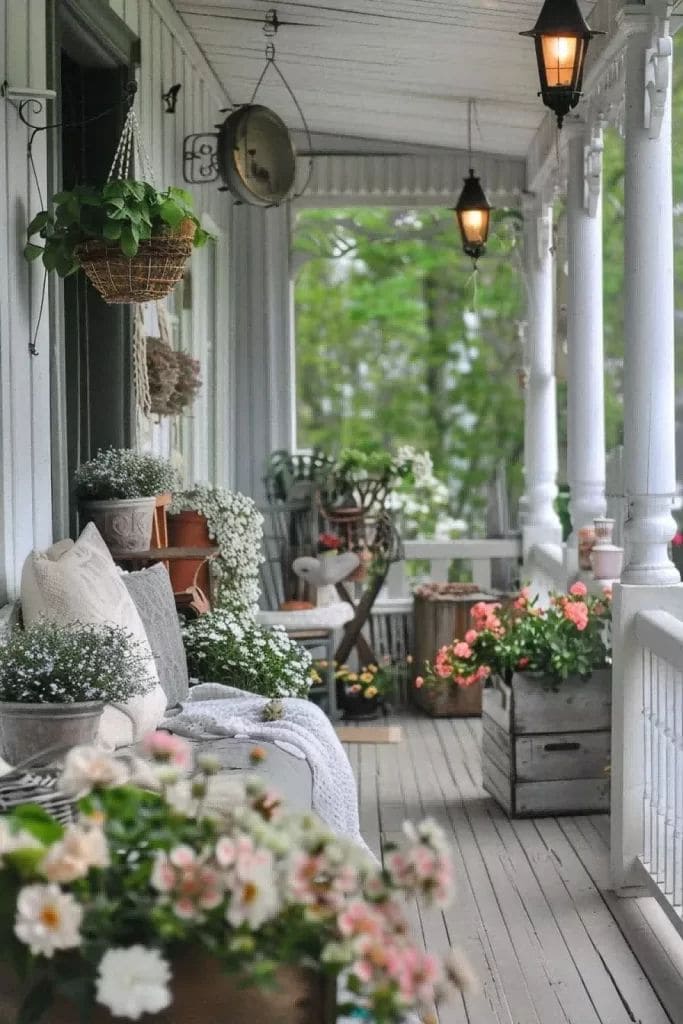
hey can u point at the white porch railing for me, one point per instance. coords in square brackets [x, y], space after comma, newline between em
[545, 570]
[660, 638]
[480, 554]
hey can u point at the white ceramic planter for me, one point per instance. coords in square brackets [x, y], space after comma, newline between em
[125, 524]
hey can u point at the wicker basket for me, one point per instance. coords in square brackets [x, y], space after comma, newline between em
[150, 275]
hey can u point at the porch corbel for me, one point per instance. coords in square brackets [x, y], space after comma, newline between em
[658, 75]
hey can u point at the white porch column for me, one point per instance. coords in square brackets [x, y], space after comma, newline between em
[263, 377]
[541, 523]
[585, 380]
[649, 407]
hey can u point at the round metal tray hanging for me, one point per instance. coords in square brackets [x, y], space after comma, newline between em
[256, 157]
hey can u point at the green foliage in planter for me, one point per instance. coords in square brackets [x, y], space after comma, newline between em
[51, 664]
[122, 212]
[120, 473]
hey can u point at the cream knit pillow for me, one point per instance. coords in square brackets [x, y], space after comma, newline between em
[79, 582]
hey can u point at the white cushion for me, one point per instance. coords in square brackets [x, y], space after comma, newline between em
[331, 616]
[79, 582]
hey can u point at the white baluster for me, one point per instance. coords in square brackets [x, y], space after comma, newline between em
[661, 769]
[647, 746]
[669, 733]
[678, 776]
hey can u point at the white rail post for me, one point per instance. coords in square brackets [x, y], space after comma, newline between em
[649, 431]
[585, 379]
[541, 522]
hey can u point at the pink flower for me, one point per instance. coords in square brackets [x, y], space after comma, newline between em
[677, 540]
[578, 589]
[188, 881]
[419, 682]
[576, 612]
[523, 662]
[360, 919]
[168, 749]
[462, 650]
[471, 636]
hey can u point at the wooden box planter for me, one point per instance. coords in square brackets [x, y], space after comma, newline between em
[442, 613]
[449, 701]
[546, 751]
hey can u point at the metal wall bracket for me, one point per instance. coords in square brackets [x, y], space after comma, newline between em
[657, 83]
[200, 158]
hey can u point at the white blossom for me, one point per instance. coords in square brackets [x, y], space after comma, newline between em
[47, 919]
[133, 981]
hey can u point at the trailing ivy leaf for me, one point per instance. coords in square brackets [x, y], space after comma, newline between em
[37, 822]
[129, 244]
[32, 251]
[171, 213]
[38, 222]
[112, 230]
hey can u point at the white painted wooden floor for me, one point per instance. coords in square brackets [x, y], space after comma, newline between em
[549, 942]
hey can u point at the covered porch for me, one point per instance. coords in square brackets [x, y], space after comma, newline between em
[570, 918]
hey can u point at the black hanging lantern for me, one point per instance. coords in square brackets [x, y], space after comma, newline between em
[473, 209]
[562, 37]
[474, 214]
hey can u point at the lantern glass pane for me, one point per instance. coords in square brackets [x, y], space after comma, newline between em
[559, 58]
[475, 225]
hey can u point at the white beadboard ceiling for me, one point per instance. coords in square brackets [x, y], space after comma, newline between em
[391, 70]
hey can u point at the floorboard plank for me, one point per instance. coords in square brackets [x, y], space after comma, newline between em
[548, 940]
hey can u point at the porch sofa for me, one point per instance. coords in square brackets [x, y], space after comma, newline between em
[78, 581]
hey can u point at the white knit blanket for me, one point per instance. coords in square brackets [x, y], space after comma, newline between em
[304, 731]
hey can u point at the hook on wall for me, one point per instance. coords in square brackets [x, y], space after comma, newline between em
[170, 98]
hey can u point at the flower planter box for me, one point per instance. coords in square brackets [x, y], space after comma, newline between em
[442, 613]
[538, 757]
[449, 700]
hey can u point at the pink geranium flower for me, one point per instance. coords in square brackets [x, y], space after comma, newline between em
[190, 884]
[576, 612]
[167, 749]
[462, 650]
[578, 589]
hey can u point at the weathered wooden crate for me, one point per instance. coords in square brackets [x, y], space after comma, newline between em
[546, 751]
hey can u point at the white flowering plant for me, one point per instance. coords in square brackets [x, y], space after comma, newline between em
[102, 912]
[236, 525]
[119, 473]
[48, 663]
[223, 647]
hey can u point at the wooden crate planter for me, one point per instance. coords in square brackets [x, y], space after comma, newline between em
[442, 613]
[545, 751]
[449, 701]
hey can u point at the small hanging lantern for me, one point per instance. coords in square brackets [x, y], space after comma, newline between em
[562, 37]
[473, 209]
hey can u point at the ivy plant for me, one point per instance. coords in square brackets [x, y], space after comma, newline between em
[120, 212]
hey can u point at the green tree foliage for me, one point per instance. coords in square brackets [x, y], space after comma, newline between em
[394, 346]
[388, 351]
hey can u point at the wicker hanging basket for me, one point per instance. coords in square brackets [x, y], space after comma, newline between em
[149, 275]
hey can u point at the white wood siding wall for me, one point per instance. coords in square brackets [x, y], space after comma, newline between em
[25, 452]
[199, 440]
[169, 55]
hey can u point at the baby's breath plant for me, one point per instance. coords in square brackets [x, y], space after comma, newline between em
[124, 473]
[222, 647]
[236, 525]
[51, 664]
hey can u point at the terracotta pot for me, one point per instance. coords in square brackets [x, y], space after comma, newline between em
[189, 530]
[203, 994]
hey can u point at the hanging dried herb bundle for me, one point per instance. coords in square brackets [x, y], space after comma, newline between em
[187, 385]
[174, 378]
[162, 372]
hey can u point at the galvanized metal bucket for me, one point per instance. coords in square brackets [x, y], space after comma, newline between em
[40, 732]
